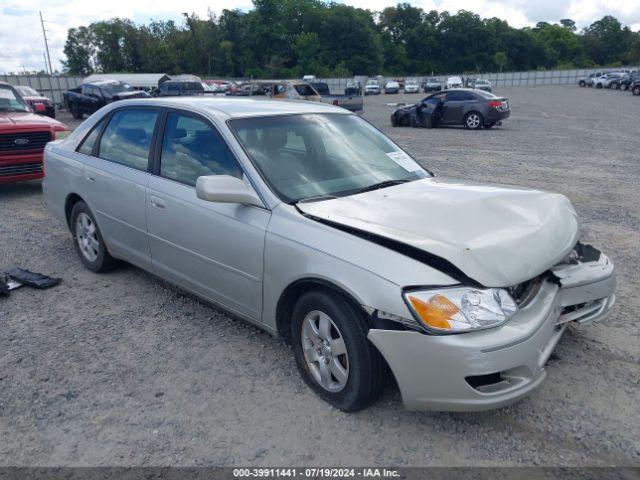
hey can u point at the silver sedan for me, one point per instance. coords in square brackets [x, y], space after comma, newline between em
[306, 221]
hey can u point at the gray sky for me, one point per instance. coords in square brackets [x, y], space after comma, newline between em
[22, 44]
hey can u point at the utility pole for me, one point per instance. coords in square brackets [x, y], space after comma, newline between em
[46, 48]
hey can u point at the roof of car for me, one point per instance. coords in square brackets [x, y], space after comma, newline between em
[240, 106]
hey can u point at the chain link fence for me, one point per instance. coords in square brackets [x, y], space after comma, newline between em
[53, 87]
[497, 79]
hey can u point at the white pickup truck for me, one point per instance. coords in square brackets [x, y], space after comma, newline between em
[353, 103]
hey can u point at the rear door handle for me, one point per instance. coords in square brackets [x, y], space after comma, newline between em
[157, 202]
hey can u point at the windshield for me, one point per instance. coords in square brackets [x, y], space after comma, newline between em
[322, 155]
[10, 101]
[27, 91]
[113, 88]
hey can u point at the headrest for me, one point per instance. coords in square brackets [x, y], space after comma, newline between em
[274, 139]
[132, 134]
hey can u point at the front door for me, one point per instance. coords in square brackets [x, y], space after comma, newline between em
[212, 249]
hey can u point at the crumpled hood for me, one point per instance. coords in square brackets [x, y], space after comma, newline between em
[498, 236]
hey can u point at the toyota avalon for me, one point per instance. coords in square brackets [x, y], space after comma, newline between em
[308, 222]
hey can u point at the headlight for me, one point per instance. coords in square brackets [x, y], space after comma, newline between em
[461, 309]
[61, 134]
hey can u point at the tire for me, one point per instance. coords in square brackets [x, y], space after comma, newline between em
[75, 112]
[473, 121]
[615, 86]
[353, 378]
[394, 120]
[598, 85]
[88, 241]
[582, 83]
[636, 90]
[624, 87]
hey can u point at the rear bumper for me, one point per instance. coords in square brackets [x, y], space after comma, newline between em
[494, 116]
[493, 368]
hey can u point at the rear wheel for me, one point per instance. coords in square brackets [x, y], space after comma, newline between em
[332, 353]
[473, 121]
[582, 83]
[598, 85]
[624, 86]
[636, 90]
[88, 240]
[615, 86]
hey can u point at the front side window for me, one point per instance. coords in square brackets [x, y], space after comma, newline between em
[127, 138]
[10, 101]
[314, 155]
[191, 149]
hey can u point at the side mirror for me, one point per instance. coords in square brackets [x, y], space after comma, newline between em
[226, 189]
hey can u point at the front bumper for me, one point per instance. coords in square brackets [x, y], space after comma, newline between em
[492, 368]
[21, 167]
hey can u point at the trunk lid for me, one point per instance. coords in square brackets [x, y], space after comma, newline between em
[499, 236]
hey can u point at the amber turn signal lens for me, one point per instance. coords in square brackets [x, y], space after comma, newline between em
[435, 312]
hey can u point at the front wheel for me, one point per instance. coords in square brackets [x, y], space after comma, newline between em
[598, 85]
[582, 83]
[615, 86]
[332, 353]
[624, 86]
[473, 121]
[636, 90]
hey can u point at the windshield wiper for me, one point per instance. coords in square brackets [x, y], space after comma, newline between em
[319, 198]
[379, 185]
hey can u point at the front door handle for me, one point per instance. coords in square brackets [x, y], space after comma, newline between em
[91, 179]
[157, 202]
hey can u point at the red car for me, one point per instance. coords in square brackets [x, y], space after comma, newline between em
[35, 99]
[23, 136]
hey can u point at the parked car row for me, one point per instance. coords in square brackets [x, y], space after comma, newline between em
[617, 80]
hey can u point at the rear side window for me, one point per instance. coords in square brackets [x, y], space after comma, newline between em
[459, 96]
[191, 148]
[127, 138]
[89, 141]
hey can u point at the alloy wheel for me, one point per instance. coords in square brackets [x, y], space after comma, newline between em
[325, 351]
[473, 121]
[87, 237]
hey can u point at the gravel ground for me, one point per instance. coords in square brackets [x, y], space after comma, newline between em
[123, 369]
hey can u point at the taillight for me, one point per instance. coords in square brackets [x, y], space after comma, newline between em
[495, 103]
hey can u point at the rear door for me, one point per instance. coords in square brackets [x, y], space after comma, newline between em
[116, 174]
[212, 249]
[453, 110]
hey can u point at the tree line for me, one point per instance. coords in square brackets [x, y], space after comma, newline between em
[289, 38]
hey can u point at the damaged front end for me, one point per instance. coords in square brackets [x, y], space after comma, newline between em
[494, 367]
[587, 283]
